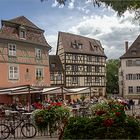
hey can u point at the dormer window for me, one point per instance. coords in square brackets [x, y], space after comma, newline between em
[96, 48]
[80, 46]
[74, 45]
[133, 52]
[22, 33]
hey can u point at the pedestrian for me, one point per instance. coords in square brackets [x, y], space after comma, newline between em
[131, 103]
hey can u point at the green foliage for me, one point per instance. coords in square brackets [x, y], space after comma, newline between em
[108, 121]
[112, 68]
[51, 117]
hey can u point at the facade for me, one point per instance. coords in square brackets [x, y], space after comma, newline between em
[56, 71]
[83, 61]
[129, 72]
[24, 55]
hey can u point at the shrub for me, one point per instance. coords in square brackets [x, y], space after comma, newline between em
[108, 121]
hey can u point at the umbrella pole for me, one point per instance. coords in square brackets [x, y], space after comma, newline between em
[29, 99]
[62, 94]
[90, 93]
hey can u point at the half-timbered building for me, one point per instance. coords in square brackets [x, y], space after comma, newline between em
[56, 71]
[24, 55]
[83, 61]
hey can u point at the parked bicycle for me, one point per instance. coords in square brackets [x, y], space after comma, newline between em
[28, 130]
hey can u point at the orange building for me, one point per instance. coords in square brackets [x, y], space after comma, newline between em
[24, 57]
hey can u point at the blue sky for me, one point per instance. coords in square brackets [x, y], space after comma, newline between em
[78, 17]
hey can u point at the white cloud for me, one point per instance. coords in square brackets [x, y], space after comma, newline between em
[83, 9]
[71, 4]
[112, 31]
[55, 4]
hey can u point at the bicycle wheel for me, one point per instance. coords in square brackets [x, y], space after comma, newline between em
[28, 130]
[4, 131]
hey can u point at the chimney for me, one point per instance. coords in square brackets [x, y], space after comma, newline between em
[126, 46]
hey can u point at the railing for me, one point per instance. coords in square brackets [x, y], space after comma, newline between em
[13, 120]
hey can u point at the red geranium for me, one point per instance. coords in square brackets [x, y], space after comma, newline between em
[100, 112]
[108, 122]
[117, 114]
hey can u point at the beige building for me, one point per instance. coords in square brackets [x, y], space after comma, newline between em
[83, 61]
[129, 72]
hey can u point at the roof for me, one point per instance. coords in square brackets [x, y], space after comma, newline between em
[54, 59]
[34, 35]
[89, 45]
[22, 20]
[133, 51]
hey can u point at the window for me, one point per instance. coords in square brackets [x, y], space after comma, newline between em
[67, 67]
[74, 80]
[89, 68]
[96, 48]
[52, 77]
[74, 57]
[53, 66]
[130, 89]
[129, 63]
[74, 45]
[138, 89]
[96, 59]
[97, 79]
[89, 79]
[138, 76]
[59, 76]
[80, 46]
[129, 76]
[74, 68]
[13, 72]
[89, 58]
[137, 62]
[11, 49]
[38, 53]
[22, 34]
[133, 52]
[97, 69]
[39, 73]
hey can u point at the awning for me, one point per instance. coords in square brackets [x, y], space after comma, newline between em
[25, 89]
[54, 90]
[78, 90]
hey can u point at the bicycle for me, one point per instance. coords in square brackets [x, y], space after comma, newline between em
[28, 130]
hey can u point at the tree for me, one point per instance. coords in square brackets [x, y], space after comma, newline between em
[120, 6]
[112, 68]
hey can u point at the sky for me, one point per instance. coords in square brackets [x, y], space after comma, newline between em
[79, 17]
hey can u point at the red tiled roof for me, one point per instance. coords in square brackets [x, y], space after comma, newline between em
[134, 50]
[24, 21]
[89, 45]
[33, 35]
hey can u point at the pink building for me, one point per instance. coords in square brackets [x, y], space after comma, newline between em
[24, 57]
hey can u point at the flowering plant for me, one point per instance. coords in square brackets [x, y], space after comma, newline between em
[51, 117]
[111, 112]
[108, 121]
